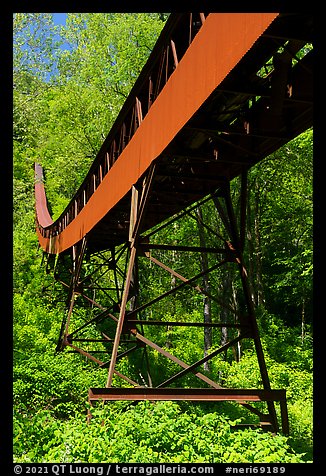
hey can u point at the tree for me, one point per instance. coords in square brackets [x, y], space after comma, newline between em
[206, 288]
[103, 56]
[280, 226]
[34, 58]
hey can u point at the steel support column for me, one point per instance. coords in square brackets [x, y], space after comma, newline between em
[137, 210]
[238, 243]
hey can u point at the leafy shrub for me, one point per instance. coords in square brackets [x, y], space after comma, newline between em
[301, 426]
[146, 433]
[45, 381]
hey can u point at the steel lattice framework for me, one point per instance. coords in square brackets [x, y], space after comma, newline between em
[207, 106]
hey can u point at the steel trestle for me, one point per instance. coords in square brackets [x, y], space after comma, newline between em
[126, 313]
[223, 102]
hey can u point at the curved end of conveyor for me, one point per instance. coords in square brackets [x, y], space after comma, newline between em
[52, 235]
[43, 216]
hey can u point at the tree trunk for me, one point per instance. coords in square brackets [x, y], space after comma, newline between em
[303, 315]
[168, 342]
[260, 298]
[225, 317]
[206, 287]
[254, 246]
[236, 349]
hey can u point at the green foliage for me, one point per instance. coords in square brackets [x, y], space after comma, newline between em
[146, 433]
[284, 344]
[47, 382]
[103, 56]
[293, 374]
[281, 199]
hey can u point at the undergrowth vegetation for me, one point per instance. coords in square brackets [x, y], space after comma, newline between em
[50, 419]
[147, 433]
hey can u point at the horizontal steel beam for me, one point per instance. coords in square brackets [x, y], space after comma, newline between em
[185, 324]
[198, 249]
[190, 394]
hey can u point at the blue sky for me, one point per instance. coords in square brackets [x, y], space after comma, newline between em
[59, 18]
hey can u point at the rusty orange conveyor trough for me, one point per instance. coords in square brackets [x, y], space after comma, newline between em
[221, 43]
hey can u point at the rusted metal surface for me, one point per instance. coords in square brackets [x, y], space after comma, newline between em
[43, 216]
[192, 394]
